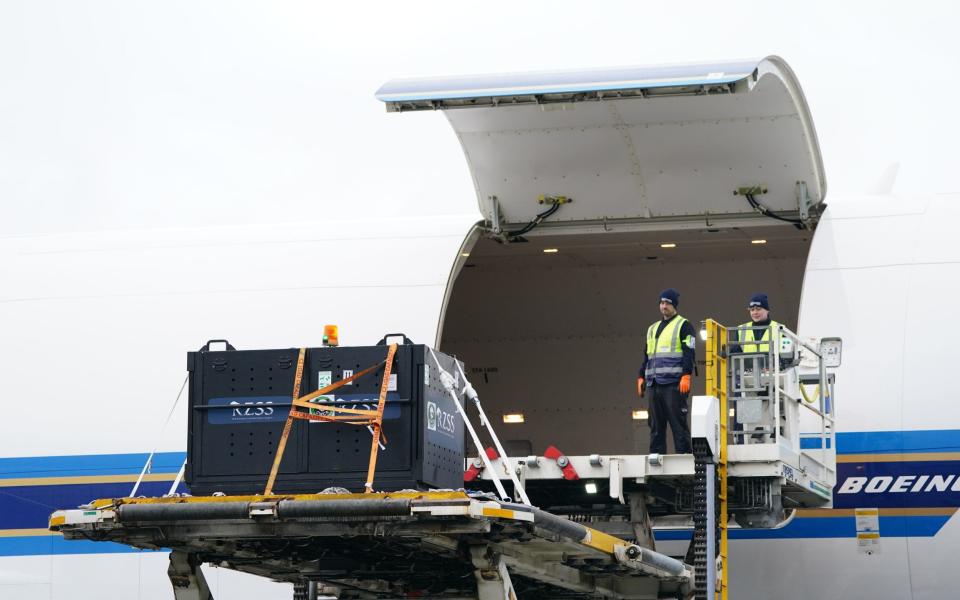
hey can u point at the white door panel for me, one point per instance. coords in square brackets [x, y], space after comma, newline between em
[629, 143]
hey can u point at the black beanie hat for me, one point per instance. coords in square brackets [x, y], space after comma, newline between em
[759, 300]
[670, 295]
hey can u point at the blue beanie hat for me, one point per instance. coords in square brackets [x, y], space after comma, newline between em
[759, 300]
[670, 295]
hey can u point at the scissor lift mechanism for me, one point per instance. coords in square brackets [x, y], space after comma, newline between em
[451, 544]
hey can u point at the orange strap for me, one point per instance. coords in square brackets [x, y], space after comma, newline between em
[345, 419]
[378, 420]
[286, 426]
[336, 385]
[329, 407]
[350, 416]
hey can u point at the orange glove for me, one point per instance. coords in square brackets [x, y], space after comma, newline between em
[685, 384]
[640, 386]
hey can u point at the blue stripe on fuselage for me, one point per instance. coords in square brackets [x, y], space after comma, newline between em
[888, 442]
[28, 506]
[89, 464]
[43, 545]
[826, 527]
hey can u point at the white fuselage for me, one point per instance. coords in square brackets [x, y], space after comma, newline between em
[96, 327]
[662, 165]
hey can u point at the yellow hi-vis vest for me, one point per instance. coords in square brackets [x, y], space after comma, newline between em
[664, 353]
[747, 346]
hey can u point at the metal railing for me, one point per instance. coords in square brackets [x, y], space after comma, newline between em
[777, 373]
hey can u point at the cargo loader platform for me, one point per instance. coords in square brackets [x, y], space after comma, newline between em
[386, 545]
[583, 525]
[606, 482]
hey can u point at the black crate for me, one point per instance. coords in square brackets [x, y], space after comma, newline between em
[239, 401]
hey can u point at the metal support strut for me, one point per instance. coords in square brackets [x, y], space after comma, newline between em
[187, 578]
[493, 579]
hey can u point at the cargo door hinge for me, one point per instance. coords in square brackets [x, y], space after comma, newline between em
[803, 201]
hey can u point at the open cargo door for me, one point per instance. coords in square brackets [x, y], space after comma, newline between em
[642, 146]
[554, 328]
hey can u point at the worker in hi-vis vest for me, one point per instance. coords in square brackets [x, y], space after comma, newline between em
[665, 375]
[756, 340]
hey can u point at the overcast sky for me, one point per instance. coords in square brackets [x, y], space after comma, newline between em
[166, 114]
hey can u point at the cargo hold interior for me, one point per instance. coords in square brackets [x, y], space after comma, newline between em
[558, 336]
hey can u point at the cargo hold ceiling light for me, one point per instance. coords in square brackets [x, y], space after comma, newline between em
[550, 250]
[668, 245]
[639, 415]
[591, 488]
[513, 418]
[465, 254]
[758, 241]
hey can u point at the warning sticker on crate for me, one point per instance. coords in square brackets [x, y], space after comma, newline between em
[868, 530]
[392, 384]
[324, 378]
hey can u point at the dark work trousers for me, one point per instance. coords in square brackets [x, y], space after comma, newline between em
[667, 404]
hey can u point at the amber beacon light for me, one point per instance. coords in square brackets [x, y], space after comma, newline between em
[331, 335]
